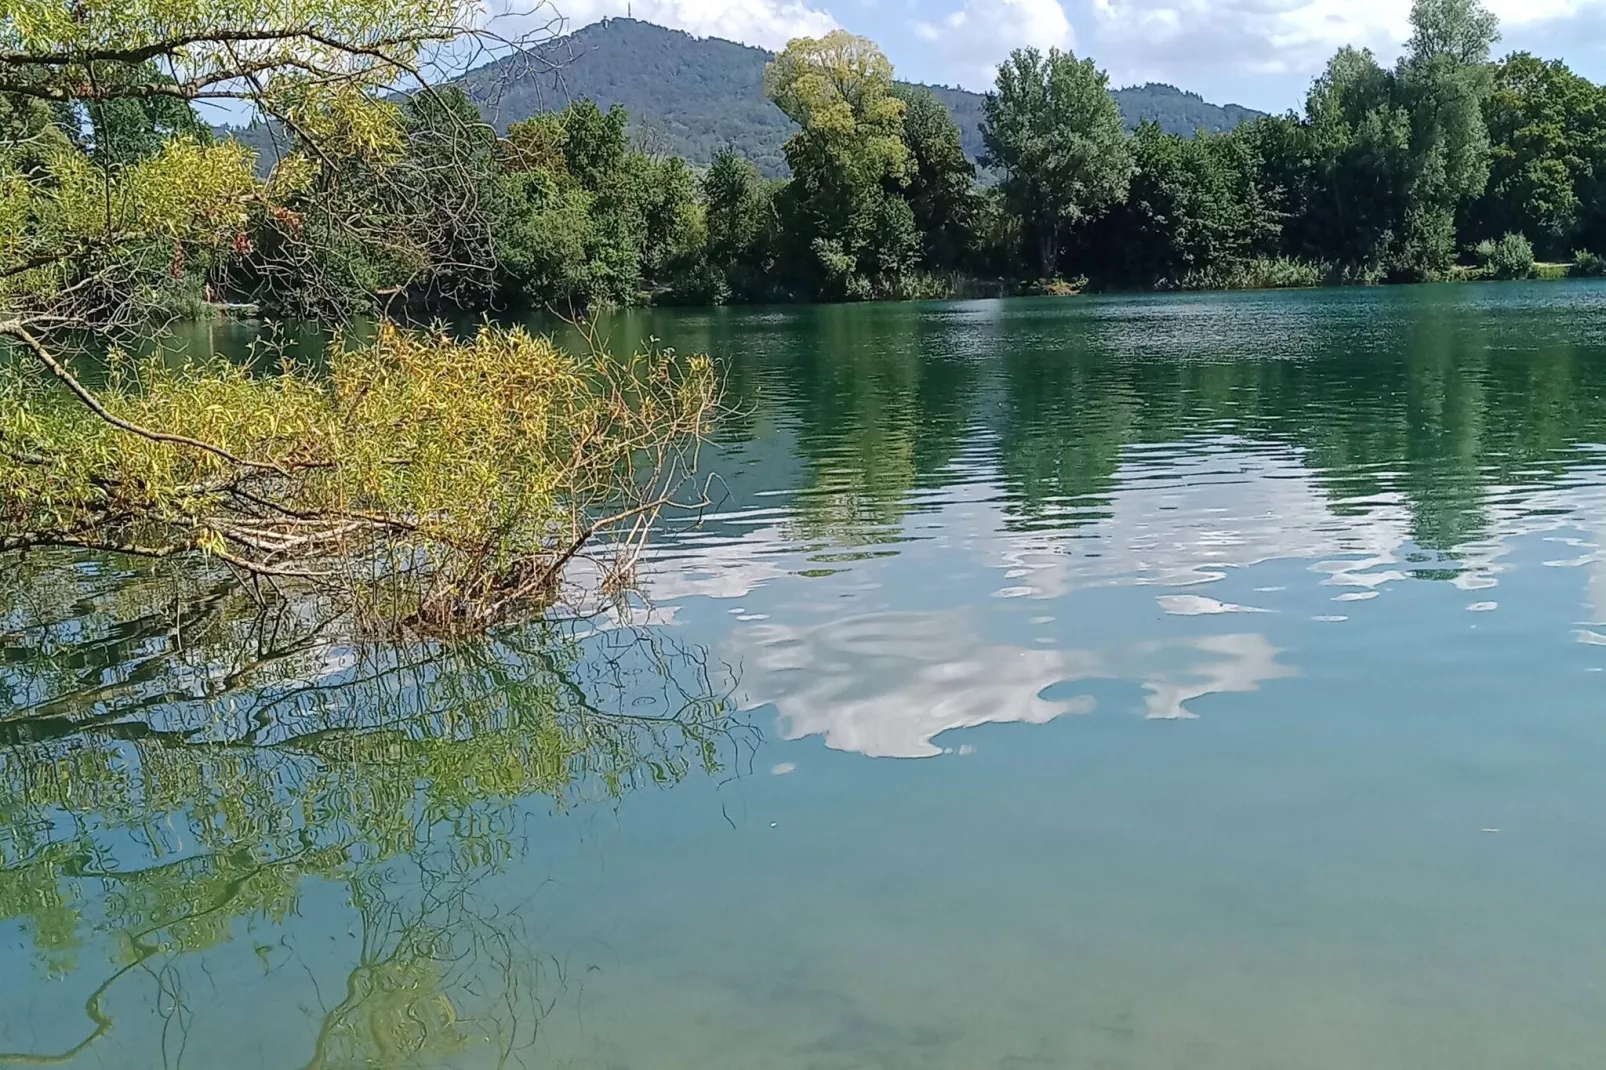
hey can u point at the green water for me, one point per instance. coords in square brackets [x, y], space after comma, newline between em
[1169, 682]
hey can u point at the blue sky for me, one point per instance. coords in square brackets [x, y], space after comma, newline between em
[1262, 53]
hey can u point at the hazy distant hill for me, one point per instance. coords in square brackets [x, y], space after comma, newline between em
[696, 95]
[692, 96]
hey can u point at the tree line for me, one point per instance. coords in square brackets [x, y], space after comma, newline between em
[1446, 164]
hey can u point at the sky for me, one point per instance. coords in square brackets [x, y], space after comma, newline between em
[1260, 53]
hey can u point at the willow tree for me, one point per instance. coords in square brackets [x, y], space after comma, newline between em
[419, 481]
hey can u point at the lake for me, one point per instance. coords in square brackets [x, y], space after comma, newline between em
[1202, 681]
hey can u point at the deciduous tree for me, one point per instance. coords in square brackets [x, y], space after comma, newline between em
[1053, 129]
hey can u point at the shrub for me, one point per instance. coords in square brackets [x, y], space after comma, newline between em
[1512, 257]
[1587, 265]
[1262, 273]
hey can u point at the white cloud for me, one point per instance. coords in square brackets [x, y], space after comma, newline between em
[1520, 12]
[1162, 39]
[973, 40]
[766, 23]
[1196, 42]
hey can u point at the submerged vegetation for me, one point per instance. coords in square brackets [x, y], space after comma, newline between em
[419, 482]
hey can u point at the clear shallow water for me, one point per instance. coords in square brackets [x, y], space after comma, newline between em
[1206, 681]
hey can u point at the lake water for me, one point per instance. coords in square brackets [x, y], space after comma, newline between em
[1149, 682]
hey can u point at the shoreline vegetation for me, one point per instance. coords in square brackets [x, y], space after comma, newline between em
[1449, 166]
[1254, 276]
[387, 198]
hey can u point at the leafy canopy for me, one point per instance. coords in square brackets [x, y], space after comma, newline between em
[1053, 130]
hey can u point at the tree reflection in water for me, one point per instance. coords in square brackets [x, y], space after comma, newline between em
[176, 761]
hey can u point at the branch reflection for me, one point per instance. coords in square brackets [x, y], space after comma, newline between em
[179, 768]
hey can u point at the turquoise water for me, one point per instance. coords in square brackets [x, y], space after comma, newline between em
[1201, 681]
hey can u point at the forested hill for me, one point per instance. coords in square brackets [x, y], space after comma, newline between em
[693, 96]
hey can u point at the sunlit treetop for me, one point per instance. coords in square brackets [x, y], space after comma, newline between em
[839, 86]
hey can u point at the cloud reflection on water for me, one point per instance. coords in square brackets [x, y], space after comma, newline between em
[886, 679]
[887, 684]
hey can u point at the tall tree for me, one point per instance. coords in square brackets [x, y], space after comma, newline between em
[1359, 140]
[1443, 82]
[1458, 31]
[741, 223]
[941, 185]
[1053, 128]
[1547, 127]
[849, 164]
[594, 142]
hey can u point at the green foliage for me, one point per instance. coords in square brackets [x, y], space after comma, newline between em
[1193, 213]
[1053, 130]
[1511, 257]
[127, 129]
[593, 143]
[91, 244]
[1442, 84]
[591, 221]
[377, 203]
[1261, 273]
[375, 209]
[941, 188]
[1587, 265]
[741, 228]
[417, 482]
[545, 245]
[1547, 127]
[1375, 175]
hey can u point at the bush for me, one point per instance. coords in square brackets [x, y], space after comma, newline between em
[1056, 287]
[1587, 265]
[1262, 273]
[1512, 257]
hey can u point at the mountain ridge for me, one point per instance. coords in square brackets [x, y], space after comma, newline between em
[698, 95]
